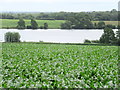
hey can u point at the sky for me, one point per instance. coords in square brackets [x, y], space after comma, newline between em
[57, 5]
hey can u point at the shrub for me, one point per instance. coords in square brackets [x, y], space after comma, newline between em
[41, 27]
[95, 41]
[87, 41]
[45, 26]
[29, 27]
[111, 26]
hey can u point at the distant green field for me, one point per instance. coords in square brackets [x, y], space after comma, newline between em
[53, 24]
[12, 23]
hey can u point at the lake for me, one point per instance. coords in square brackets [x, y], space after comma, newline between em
[55, 35]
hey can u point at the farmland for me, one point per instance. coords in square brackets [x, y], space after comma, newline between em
[61, 66]
[108, 22]
[53, 24]
[12, 23]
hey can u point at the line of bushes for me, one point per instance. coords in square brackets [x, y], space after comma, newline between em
[34, 25]
[69, 24]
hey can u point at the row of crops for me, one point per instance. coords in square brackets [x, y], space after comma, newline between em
[59, 66]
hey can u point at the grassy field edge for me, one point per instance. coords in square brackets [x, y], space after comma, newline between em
[52, 24]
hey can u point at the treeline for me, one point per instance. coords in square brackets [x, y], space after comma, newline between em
[74, 22]
[84, 22]
[94, 16]
[34, 25]
[108, 37]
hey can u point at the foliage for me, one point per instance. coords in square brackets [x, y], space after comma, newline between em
[45, 26]
[111, 26]
[59, 66]
[101, 25]
[87, 41]
[12, 37]
[41, 27]
[21, 24]
[118, 26]
[91, 41]
[118, 37]
[78, 22]
[95, 15]
[95, 41]
[34, 24]
[108, 36]
[29, 27]
[118, 34]
[66, 25]
[53, 24]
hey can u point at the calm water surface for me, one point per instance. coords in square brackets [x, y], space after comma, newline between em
[55, 35]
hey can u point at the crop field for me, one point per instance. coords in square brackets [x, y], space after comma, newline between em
[109, 22]
[52, 24]
[12, 23]
[59, 66]
[0, 64]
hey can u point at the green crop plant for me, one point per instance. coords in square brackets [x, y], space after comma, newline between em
[27, 65]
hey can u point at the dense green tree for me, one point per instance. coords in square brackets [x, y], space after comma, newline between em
[34, 24]
[29, 27]
[101, 25]
[21, 24]
[95, 16]
[8, 37]
[45, 26]
[29, 16]
[12, 37]
[118, 27]
[111, 26]
[118, 34]
[108, 36]
[118, 37]
[78, 22]
[66, 25]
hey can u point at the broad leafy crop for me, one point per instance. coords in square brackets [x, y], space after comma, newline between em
[61, 66]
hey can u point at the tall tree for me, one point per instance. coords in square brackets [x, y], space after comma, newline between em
[45, 26]
[12, 37]
[34, 24]
[108, 36]
[21, 24]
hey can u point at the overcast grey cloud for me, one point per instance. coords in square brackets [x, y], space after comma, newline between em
[57, 5]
